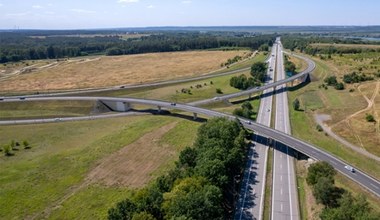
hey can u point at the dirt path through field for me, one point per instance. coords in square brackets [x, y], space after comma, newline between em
[131, 166]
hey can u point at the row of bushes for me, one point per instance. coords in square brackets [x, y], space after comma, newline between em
[203, 184]
[13, 146]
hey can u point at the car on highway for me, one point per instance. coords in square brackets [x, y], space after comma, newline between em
[58, 119]
[216, 98]
[350, 168]
[22, 98]
[268, 110]
[173, 104]
[1, 99]
[248, 122]
[122, 87]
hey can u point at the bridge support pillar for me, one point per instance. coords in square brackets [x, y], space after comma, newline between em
[116, 105]
[195, 116]
[159, 109]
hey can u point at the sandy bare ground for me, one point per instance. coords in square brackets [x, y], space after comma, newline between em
[116, 70]
[133, 165]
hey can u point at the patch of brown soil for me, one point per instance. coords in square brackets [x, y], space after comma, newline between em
[133, 165]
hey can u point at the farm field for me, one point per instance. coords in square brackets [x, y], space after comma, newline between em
[72, 163]
[117, 70]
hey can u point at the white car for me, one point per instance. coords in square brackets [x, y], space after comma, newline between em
[216, 98]
[58, 119]
[350, 168]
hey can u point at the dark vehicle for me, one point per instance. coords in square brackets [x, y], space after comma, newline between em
[22, 98]
[173, 104]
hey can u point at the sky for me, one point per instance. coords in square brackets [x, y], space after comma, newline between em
[87, 14]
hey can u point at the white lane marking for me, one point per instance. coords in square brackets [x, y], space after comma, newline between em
[281, 191]
[282, 207]
[374, 186]
[281, 178]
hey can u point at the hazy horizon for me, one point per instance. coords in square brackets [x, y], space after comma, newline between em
[99, 14]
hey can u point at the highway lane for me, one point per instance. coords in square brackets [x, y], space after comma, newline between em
[284, 194]
[359, 176]
[251, 198]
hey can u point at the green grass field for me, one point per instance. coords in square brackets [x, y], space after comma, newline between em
[331, 101]
[45, 109]
[33, 181]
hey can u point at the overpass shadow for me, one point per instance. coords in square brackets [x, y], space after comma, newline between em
[171, 114]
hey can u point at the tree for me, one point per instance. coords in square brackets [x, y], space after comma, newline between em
[339, 86]
[247, 105]
[350, 208]
[258, 71]
[318, 170]
[326, 193]
[331, 81]
[26, 144]
[124, 210]
[187, 157]
[296, 104]
[7, 150]
[219, 91]
[143, 216]
[370, 118]
[193, 198]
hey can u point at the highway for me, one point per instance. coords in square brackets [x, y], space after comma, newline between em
[251, 198]
[304, 73]
[359, 176]
[284, 187]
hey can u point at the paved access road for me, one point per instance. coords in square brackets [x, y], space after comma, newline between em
[251, 198]
[284, 194]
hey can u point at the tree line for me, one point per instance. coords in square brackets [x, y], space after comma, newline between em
[302, 42]
[203, 184]
[258, 73]
[17, 46]
[338, 203]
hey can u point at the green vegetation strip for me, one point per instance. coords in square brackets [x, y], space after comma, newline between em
[268, 186]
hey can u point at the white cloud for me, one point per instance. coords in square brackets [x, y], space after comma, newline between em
[1, 4]
[50, 4]
[37, 6]
[128, 1]
[77, 10]
[20, 14]
[150, 6]
[186, 2]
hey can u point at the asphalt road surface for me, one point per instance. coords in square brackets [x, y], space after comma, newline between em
[284, 194]
[358, 176]
[251, 198]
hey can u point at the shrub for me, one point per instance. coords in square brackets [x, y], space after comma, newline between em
[370, 118]
[219, 91]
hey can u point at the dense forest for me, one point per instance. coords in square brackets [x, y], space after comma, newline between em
[303, 44]
[31, 45]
